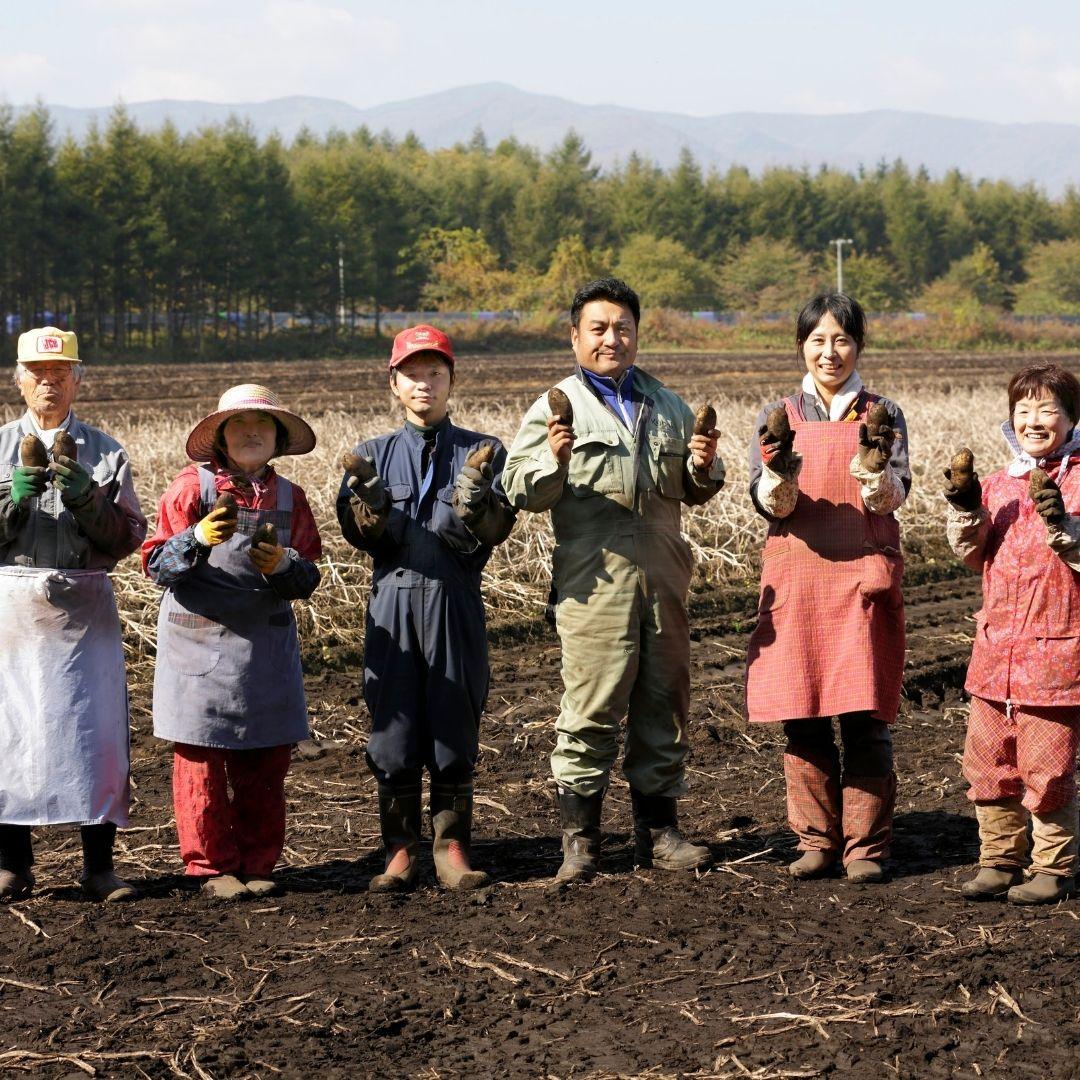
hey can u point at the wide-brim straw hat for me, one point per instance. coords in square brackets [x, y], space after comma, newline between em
[249, 398]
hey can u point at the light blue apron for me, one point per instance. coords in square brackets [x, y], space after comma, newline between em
[228, 659]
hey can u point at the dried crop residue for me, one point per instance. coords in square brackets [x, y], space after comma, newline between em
[737, 972]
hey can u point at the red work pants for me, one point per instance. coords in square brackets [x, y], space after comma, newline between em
[222, 834]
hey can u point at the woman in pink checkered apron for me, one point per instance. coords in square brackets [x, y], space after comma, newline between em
[828, 470]
[1021, 528]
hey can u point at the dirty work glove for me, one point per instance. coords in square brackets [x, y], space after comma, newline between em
[217, 527]
[27, 482]
[268, 558]
[876, 438]
[962, 487]
[776, 439]
[74, 482]
[363, 481]
[1046, 496]
[471, 488]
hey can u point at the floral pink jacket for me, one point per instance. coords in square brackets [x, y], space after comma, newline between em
[1027, 634]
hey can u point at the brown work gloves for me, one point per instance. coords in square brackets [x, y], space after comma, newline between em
[962, 488]
[776, 441]
[370, 503]
[876, 438]
[1046, 496]
[487, 517]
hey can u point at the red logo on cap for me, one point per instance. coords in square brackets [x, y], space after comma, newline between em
[50, 344]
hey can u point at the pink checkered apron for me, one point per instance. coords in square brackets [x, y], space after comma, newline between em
[830, 632]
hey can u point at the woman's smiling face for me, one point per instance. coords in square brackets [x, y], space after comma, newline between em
[1041, 424]
[830, 353]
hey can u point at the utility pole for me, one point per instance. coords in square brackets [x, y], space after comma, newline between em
[840, 262]
[341, 283]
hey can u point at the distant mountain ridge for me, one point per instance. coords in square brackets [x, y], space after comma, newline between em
[1045, 154]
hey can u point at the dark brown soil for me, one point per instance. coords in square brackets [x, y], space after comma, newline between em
[737, 972]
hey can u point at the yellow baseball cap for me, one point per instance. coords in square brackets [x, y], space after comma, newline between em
[48, 343]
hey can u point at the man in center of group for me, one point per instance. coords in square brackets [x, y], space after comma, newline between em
[614, 476]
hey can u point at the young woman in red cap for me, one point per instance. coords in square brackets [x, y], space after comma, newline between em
[828, 468]
[1021, 529]
[228, 688]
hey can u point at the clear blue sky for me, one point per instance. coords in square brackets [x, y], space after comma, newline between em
[989, 60]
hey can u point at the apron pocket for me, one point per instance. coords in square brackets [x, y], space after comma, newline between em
[192, 644]
[1056, 663]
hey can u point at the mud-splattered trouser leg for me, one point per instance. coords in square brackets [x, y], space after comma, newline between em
[1018, 758]
[221, 834]
[852, 813]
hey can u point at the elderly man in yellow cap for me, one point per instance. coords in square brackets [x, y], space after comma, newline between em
[68, 514]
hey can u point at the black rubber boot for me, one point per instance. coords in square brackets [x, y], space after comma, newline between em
[99, 881]
[451, 827]
[399, 821]
[657, 840]
[16, 858]
[580, 815]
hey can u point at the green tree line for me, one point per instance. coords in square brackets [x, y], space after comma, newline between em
[161, 240]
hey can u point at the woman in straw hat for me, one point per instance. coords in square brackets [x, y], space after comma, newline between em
[228, 688]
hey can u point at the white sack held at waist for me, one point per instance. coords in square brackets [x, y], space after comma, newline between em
[63, 699]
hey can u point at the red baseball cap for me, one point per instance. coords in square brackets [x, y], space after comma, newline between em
[421, 338]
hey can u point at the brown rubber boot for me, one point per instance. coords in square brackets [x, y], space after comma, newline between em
[864, 872]
[15, 887]
[813, 864]
[399, 820]
[225, 887]
[451, 827]
[1002, 849]
[580, 815]
[1042, 889]
[657, 840]
[990, 884]
[1054, 857]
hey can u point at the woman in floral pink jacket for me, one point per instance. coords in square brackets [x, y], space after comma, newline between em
[1021, 528]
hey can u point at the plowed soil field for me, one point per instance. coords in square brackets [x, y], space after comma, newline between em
[735, 972]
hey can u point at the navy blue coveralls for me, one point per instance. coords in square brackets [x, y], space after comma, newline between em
[425, 648]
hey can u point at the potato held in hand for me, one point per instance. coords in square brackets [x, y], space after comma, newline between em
[227, 501]
[354, 465]
[778, 425]
[705, 420]
[482, 455]
[878, 418]
[266, 533]
[560, 406]
[962, 469]
[32, 452]
[1038, 481]
[64, 446]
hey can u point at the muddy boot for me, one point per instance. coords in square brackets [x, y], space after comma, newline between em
[864, 872]
[813, 864]
[1002, 849]
[16, 858]
[580, 816]
[15, 886]
[1053, 857]
[99, 881]
[399, 821]
[657, 840]
[990, 884]
[225, 887]
[1042, 889]
[451, 827]
[262, 886]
